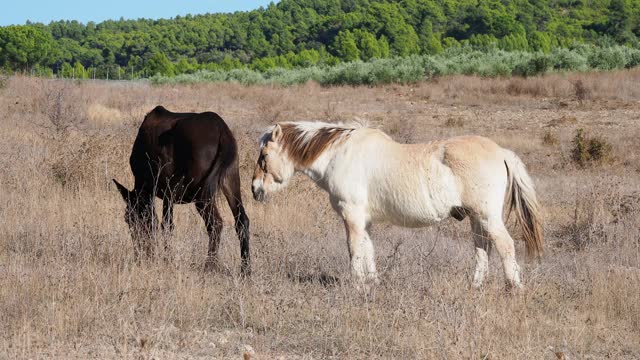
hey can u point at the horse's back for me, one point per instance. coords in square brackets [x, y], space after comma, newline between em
[473, 156]
[182, 150]
[206, 138]
[471, 148]
[478, 164]
[421, 183]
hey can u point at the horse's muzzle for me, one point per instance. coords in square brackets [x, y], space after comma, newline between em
[259, 195]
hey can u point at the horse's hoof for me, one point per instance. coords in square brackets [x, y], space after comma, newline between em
[211, 266]
[245, 271]
[513, 289]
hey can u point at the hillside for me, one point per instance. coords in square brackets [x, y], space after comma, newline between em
[299, 33]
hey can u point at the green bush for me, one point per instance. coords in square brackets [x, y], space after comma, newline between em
[633, 58]
[4, 80]
[589, 150]
[609, 58]
[539, 64]
[454, 60]
[550, 139]
[567, 60]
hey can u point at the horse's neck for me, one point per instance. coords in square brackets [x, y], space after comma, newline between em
[317, 171]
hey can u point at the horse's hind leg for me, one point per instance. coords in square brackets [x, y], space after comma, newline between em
[212, 219]
[167, 216]
[483, 249]
[503, 242]
[231, 191]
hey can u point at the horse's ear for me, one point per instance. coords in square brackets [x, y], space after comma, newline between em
[276, 134]
[126, 194]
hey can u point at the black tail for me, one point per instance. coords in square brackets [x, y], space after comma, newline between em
[225, 159]
[227, 172]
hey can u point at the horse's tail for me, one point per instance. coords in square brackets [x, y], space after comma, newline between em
[225, 162]
[521, 197]
[228, 155]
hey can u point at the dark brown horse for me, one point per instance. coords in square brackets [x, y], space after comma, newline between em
[183, 158]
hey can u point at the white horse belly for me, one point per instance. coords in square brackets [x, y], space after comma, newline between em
[416, 199]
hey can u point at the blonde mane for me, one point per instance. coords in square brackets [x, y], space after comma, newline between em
[305, 141]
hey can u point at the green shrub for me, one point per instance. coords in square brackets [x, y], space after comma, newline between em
[550, 139]
[567, 60]
[454, 60]
[539, 64]
[4, 80]
[245, 76]
[609, 58]
[581, 90]
[633, 58]
[589, 150]
[454, 122]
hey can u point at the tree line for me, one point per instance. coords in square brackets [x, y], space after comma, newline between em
[304, 33]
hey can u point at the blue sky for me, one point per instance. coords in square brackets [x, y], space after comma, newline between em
[19, 11]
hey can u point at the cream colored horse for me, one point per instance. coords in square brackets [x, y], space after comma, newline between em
[370, 177]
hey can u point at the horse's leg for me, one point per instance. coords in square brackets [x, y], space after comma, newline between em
[167, 221]
[147, 244]
[137, 249]
[505, 247]
[212, 219]
[231, 191]
[370, 259]
[483, 249]
[361, 251]
[370, 255]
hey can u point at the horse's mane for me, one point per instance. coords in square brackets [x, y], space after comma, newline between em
[305, 141]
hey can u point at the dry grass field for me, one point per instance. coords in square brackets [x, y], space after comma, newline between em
[69, 287]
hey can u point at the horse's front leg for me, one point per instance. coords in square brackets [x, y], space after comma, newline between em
[167, 221]
[361, 252]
